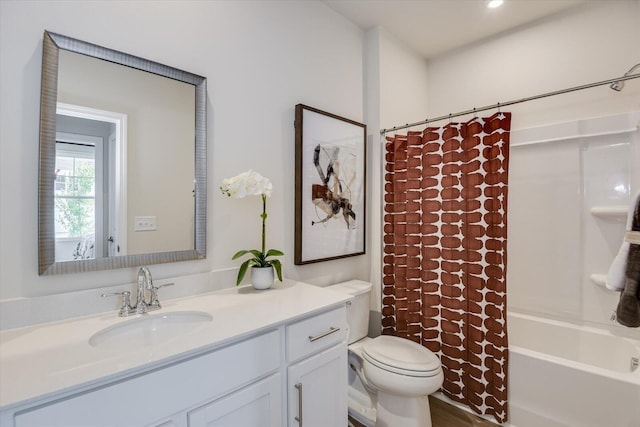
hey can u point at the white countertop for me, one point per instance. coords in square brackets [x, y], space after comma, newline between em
[49, 360]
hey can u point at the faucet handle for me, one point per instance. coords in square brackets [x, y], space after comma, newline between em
[155, 304]
[126, 309]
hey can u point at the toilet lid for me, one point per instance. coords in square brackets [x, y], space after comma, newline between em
[401, 356]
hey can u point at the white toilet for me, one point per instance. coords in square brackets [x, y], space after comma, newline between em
[390, 377]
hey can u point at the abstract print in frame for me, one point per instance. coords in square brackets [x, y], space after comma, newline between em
[330, 186]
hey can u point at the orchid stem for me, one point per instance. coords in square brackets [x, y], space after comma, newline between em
[264, 219]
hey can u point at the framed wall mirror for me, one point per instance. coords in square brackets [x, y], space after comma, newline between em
[122, 173]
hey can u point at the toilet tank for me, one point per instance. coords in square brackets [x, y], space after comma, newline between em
[358, 310]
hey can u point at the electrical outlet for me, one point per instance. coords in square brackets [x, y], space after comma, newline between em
[145, 223]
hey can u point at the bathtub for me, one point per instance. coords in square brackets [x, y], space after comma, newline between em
[562, 375]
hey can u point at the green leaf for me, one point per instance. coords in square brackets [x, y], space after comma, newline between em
[243, 271]
[274, 252]
[276, 264]
[259, 255]
[239, 254]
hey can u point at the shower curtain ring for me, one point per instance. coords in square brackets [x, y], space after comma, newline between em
[475, 114]
[449, 118]
[499, 107]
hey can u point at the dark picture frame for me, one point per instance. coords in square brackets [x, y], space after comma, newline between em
[330, 186]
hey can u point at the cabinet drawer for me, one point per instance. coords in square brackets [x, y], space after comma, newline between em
[316, 333]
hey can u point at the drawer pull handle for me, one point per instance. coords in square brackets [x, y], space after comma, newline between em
[329, 332]
[299, 417]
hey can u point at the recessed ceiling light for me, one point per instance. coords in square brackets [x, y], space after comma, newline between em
[494, 3]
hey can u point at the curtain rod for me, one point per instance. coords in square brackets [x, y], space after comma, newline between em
[516, 101]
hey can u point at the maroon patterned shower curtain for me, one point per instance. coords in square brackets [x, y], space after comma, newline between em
[445, 253]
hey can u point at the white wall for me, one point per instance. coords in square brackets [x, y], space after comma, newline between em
[260, 58]
[404, 91]
[593, 43]
[396, 92]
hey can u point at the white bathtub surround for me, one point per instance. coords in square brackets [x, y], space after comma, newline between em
[572, 177]
[564, 375]
[50, 361]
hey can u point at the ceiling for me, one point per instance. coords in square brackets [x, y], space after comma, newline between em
[433, 27]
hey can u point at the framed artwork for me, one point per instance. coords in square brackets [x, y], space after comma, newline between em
[330, 186]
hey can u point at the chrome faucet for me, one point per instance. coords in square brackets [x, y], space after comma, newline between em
[144, 282]
[142, 305]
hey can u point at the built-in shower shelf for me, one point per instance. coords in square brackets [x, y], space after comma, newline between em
[613, 212]
[599, 279]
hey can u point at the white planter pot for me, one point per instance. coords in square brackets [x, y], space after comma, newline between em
[262, 277]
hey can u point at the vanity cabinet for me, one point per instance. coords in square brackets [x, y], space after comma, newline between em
[291, 374]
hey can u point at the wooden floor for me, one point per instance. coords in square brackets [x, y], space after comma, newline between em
[446, 415]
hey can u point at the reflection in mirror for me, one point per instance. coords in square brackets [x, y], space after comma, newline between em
[90, 183]
[153, 175]
[119, 185]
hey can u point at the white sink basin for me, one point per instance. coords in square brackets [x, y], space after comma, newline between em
[149, 330]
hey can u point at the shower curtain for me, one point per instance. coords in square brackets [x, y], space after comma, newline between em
[445, 239]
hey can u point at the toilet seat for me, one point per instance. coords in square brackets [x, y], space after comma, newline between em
[401, 356]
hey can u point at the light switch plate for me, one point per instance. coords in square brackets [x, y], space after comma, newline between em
[145, 223]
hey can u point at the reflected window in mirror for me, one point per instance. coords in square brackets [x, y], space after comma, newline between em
[76, 204]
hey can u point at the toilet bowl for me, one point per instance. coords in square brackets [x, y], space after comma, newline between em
[362, 398]
[390, 378]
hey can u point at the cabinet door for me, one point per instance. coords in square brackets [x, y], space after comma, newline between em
[257, 405]
[317, 390]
